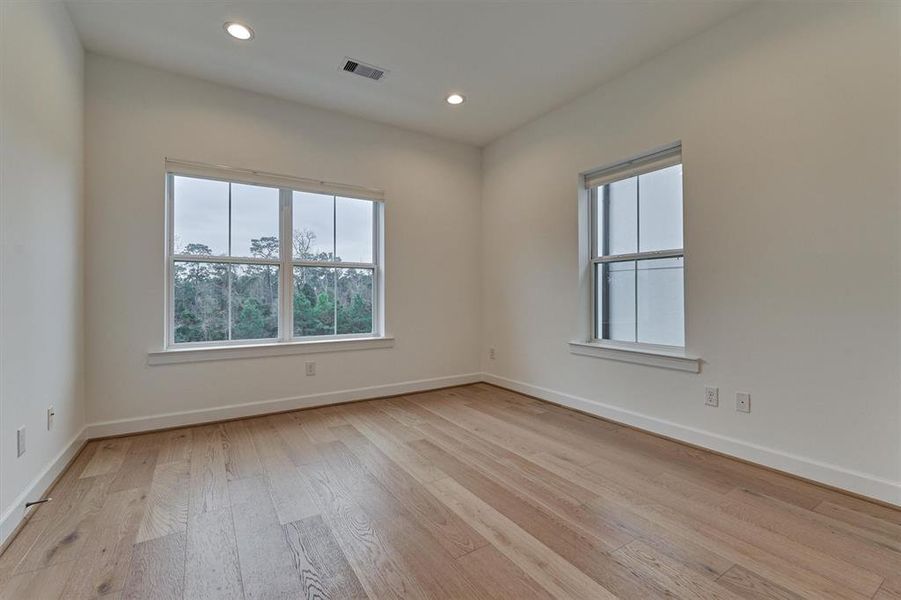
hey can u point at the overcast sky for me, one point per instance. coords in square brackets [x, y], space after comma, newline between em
[201, 217]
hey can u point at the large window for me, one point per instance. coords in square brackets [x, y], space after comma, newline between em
[254, 262]
[636, 250]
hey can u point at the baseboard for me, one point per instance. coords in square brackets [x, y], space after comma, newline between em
[855, 482]
[237, 411]
[14, 515]
[863, 484]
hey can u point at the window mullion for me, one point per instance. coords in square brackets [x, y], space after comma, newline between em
[286, 269]
[340, 265]
[637, 246]
[237, 260]
[230, 267]
[671, 253]
[605, 281]
[335, 269]
[374, 288]
[170, 264]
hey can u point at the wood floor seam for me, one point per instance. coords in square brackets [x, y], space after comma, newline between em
[466, 492]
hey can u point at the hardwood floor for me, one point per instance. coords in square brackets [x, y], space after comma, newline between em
[470, 492]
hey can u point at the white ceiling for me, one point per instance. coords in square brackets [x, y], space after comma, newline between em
[513, 60]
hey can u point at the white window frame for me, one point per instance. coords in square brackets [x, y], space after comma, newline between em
[286, 263]
[674, 357]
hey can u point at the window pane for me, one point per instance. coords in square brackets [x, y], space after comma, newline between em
[353, 230]
[622, 217]
[616, 301]
[660, 209]
[314, 301]
[314, 226]
[201, 302]
[354, 301]
[201, 216]
[660, 302]
[254, 297]
[254, 221]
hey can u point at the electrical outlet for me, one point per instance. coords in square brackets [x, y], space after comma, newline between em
[743, 402]
[491, 353]
[311, 369]
[50, 415]
[20, 441]
[712, 396]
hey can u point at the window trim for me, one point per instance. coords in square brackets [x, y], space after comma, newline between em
[592, 344]
[268, 349]
[653, 355]
[286, 185]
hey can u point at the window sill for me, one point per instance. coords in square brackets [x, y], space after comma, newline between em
[641, 354]
[186, 355]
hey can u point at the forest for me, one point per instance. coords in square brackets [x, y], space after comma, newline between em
[221, 301]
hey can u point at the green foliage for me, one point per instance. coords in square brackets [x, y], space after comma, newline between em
[317, 310]
[327, 300]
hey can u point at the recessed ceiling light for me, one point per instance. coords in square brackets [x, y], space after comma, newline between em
[456, 99]
[239, 31]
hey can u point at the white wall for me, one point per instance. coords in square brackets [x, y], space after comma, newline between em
[41, 254]
[789, 118]
[792, 242]
[136, 116]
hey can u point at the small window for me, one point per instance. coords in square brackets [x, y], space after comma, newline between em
[251, 262]
[637, 261]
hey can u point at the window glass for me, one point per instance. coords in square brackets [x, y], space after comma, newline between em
[660, 302]
[254, 221]
[314, 301]
[354, 310]
[638, 262]
[353, 230]
[660, 209]
[254, 302]
[201, 216]
[622, 217]
[313, 227]
[617, 301]
[201, 302]
[231, 280]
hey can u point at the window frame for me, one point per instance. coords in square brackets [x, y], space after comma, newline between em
[286, 263]
[639, 165]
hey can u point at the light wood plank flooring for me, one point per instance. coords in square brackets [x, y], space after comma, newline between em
[469, 492]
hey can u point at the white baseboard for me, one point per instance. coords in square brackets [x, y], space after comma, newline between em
[12, 515]
[857, 482]
[249, 409]
[832, 475]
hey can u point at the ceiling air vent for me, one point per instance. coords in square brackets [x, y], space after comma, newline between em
[363, 70]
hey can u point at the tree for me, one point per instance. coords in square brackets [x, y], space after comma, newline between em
[201, 249]
[324, 314]
[304, 322]
[264, 247]
[327, 300]
[302, 242]
[251, 321]
[201, 299]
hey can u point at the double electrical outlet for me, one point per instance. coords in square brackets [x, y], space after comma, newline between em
[742, 399]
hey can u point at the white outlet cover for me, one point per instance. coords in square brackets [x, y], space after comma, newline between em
[712, 396]
[20, 441]
[311, 368]
[743, 402]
